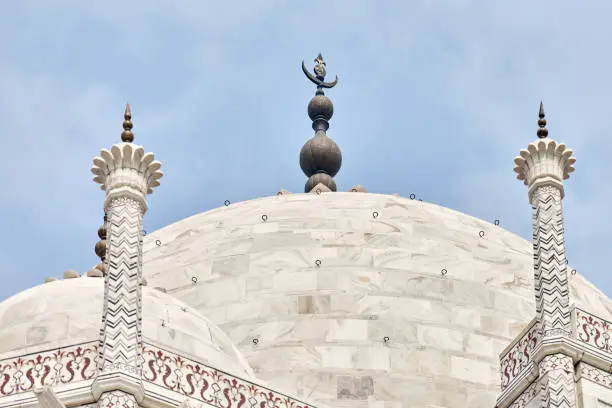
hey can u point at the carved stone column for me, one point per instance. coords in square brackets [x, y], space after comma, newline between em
[126, 174]
[557, 386]
[543, 167]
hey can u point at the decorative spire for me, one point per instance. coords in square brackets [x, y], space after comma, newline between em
[127, 174]
[320, 157]
[127, 136]
[542, 131]
[543, 167]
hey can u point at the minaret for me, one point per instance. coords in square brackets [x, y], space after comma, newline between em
[126, 173]
[320, 158]
[543, 167]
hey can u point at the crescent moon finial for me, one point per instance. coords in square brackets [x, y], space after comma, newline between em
[319, 74]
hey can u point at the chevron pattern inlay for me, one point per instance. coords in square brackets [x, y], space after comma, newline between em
[557, 386]
[551, 285]
[121, 336]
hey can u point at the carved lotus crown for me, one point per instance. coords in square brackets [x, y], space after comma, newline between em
[544, 158]
[544, 161]
[126, 166]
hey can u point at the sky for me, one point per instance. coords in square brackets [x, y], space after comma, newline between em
[434, 98]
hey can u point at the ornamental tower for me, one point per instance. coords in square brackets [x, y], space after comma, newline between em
[126, 174]
[543, 167]
[320, 157]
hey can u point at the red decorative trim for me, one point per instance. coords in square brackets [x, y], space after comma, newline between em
[593, 330]
[61, 366]
[160, 367]
[214, 387]
[518, 357]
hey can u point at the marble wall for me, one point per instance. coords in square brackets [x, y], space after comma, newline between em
[356, 299]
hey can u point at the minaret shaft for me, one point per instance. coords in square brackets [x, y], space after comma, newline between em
[543, 167]
[121, 328]
[550, 269]
[126, 173]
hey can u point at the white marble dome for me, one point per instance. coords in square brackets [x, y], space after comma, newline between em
[325, 279]
[68, 312]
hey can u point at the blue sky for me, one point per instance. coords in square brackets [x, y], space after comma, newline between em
[435, 98]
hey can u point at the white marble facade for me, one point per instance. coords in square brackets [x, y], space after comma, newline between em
[339, 299]
[356, 299]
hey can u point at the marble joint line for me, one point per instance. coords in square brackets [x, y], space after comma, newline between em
[551, 284]
[59, 366]
[121, 335]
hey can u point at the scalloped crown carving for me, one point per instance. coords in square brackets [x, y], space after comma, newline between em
[126, 165]
[544, 158]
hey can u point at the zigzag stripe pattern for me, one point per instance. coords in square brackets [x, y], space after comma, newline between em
[121, 334]
[550, 269]
[557, 386]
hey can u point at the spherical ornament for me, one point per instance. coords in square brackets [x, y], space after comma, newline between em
[320, 106]
[542, 133]
[101, 248]
[322, 178]
[94, 273]
[101, 267]
[70, 274]
[127, 136]
[320, 154]
[102, 232]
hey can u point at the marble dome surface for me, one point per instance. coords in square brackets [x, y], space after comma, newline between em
[353, 299]
[68, 312]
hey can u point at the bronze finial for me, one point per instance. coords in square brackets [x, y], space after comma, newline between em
[100, 247]
[127, 136]
[542, 131]
[319, 77]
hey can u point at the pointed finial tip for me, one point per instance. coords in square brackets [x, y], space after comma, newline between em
[542, 131]
[127, 136]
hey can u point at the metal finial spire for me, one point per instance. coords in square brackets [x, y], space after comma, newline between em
[319, 78]
[542, 131]
[320, 157]
[127, 136]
